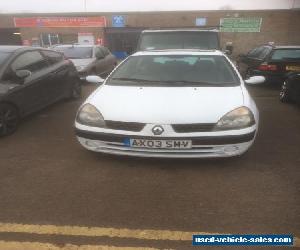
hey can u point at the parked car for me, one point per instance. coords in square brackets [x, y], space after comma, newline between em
[273, 62]
[30, 79]
[170, 104]
[290, 90]
[179, 39]
[89, 59]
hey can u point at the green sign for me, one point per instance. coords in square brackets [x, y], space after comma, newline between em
[251, 24]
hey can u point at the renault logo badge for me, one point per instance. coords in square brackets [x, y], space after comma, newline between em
[157, 130]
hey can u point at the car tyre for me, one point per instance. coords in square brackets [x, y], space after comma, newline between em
[9, 119]
[284, 94]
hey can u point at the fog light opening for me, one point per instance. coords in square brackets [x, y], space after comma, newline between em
[231, 149]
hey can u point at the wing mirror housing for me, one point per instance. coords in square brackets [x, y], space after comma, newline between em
[22, 74]
[254, 80]
[94, 79]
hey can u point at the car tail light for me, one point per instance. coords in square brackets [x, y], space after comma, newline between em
[267, 67]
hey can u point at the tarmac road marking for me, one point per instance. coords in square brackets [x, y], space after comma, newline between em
[98, 232]
[147, 234]
[14, 245]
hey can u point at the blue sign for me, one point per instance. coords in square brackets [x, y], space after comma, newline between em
[201, 21]
[118, 21]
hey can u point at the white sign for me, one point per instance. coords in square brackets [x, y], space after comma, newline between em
[200, 21]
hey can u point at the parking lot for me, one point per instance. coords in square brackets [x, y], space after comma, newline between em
[47, 178]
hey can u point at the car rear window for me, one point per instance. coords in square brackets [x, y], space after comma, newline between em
[286, 54]
[179, 40]
[76, 52]
[175, 70]
[3, 57]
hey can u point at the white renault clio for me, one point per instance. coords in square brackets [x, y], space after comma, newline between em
[183, 103]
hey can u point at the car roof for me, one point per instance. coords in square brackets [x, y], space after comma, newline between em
[179, 52]
[180, 30]
[287, 47]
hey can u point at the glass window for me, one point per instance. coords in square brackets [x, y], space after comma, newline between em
[175, 70]
[254, 53]
[49, 39]
[32, 61]
[53, 57]
[73, 52]
[179, 40]
[264, 52]
[286, 54]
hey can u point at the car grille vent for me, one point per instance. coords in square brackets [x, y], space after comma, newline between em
[127, 126]
[195, 127]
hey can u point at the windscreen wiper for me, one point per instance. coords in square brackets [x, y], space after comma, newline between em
[133, 79]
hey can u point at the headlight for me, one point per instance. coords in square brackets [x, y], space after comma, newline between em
[90, 116]
[79, 68]
[236, 119]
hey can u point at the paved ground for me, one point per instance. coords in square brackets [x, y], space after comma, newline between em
[47, 178]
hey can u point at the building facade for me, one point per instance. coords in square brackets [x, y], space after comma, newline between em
[120, 31]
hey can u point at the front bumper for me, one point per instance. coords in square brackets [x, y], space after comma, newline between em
[202, 146]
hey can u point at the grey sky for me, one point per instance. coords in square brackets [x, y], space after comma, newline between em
[48, 6]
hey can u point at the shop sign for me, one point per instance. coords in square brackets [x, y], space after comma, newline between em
[60, 22]
[251, 24]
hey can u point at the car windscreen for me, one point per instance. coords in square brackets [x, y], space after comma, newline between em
[76, 52]
[3, 57]
[179, 40]
[286, 54]
[175, 70]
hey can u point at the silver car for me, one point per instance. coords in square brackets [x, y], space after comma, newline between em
[89, 59]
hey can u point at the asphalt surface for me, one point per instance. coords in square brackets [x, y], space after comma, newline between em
[46, 177]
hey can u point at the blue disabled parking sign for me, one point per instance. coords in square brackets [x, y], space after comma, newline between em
[118, 21]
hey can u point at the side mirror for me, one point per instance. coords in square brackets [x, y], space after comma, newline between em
[94, 79]
[22, 74]
[253, 80]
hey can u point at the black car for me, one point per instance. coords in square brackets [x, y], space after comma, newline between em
[30, 79]
[290, 91]
[273, 62]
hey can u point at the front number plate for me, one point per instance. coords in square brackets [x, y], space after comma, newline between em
[171, 144]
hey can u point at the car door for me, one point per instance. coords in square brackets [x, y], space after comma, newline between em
[59, 70]
[31, 96]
